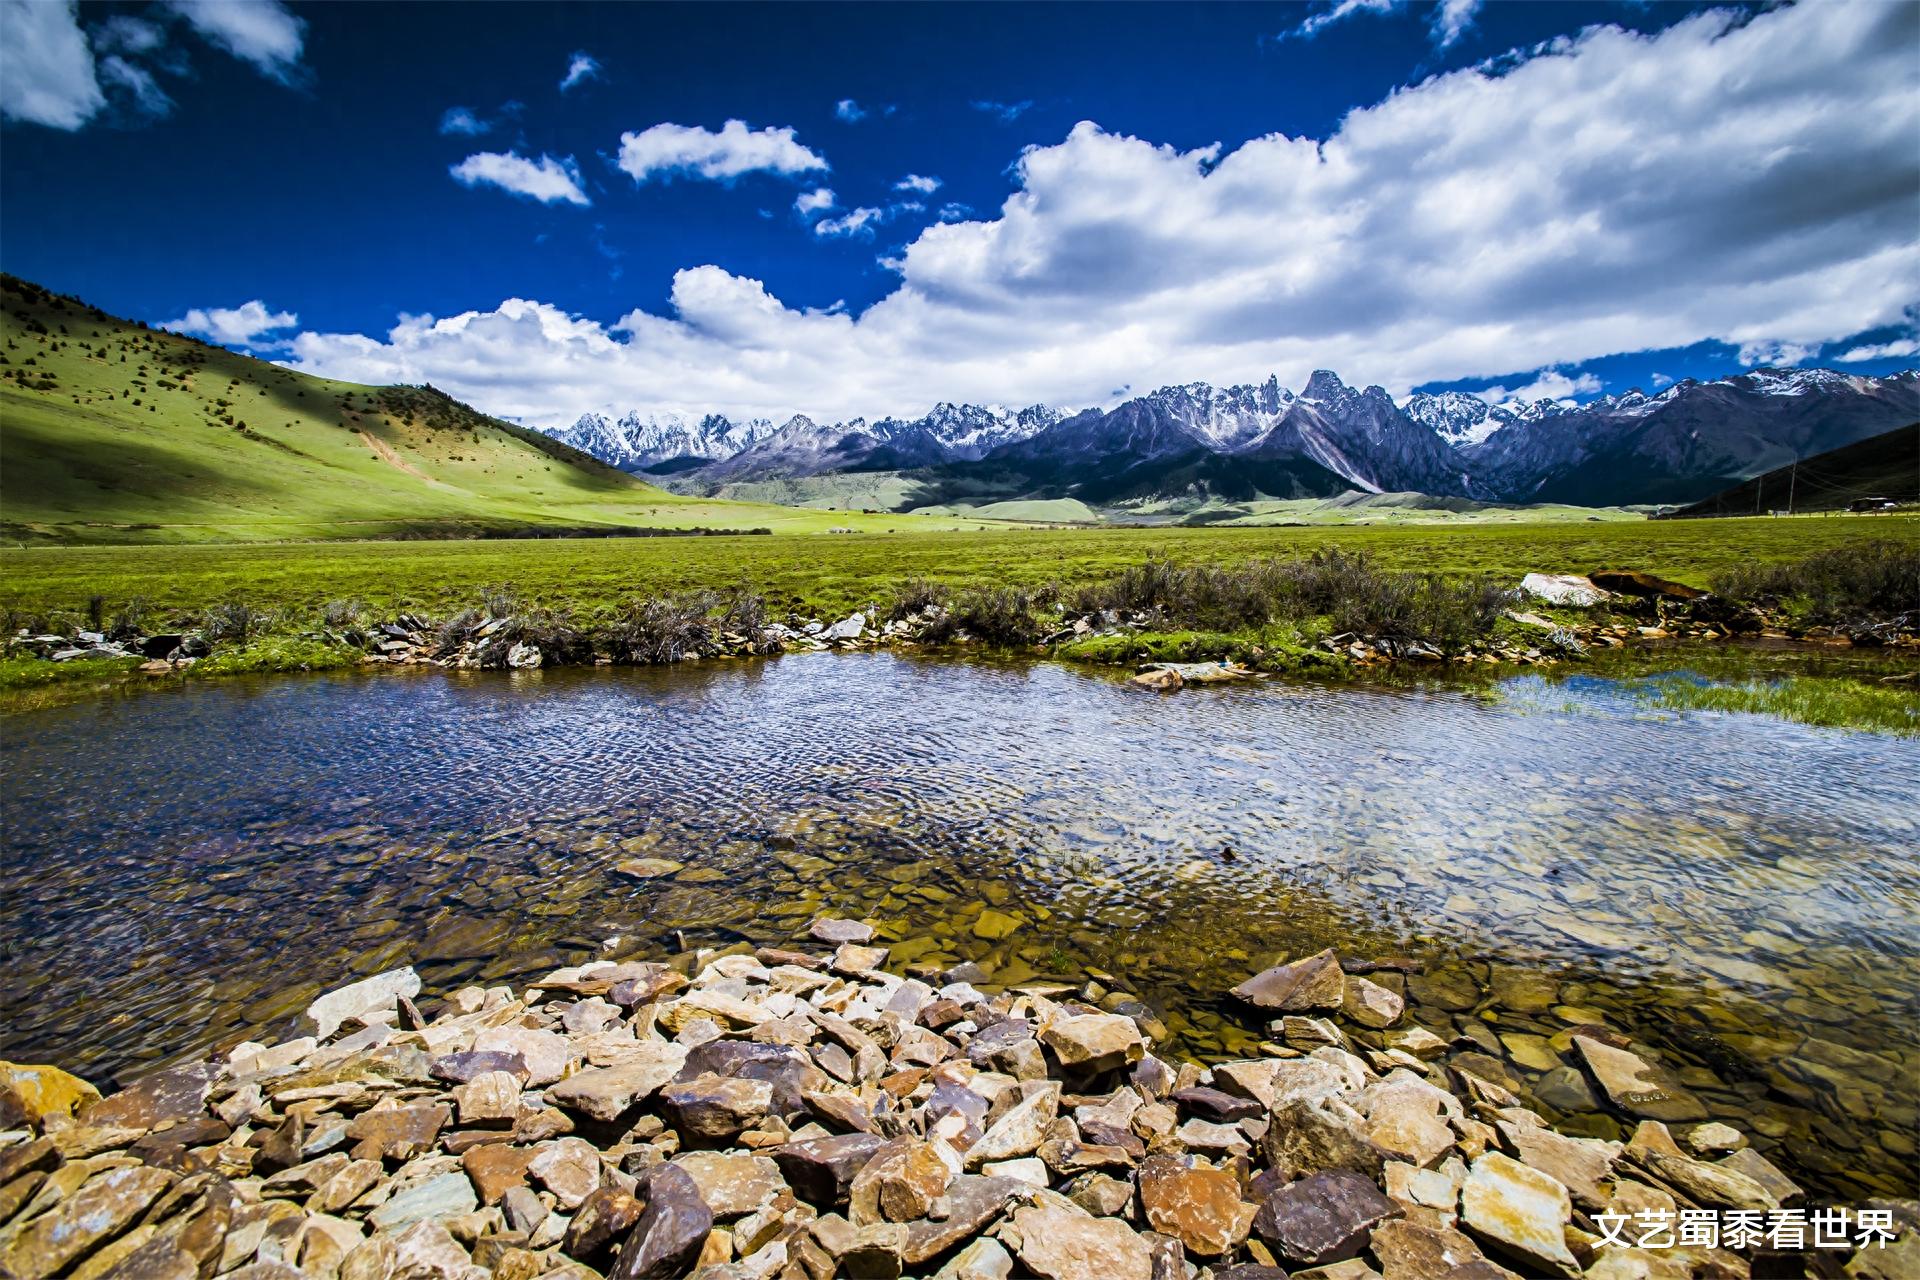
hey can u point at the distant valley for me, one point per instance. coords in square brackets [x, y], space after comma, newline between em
[1200, 453]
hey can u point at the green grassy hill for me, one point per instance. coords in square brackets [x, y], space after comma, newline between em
[1883, 466]
[111, 432]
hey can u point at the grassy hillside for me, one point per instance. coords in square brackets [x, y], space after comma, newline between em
[1883, 466]
[111, 432]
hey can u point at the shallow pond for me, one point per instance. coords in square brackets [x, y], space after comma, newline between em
[1737, 893]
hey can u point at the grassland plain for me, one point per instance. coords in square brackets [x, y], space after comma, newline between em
[111, 432]
[826, 574]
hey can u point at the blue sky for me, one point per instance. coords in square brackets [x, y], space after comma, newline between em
[1501, 196]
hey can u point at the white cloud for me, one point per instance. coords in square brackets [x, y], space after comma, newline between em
[1661, 380]
[851, 223]
[954, 211]
[1471, 225]
[581, 68]
[142, 89]
[916, 182]
[818, 200]
[1899, 347]
[736, 149]
[1777, 352]
[546, 179]
[1547, 384]
[241, 326]
[462, 120]
[46, 70]
[258, 31]
[849, 110]
[1005, 112]
[1451, 18]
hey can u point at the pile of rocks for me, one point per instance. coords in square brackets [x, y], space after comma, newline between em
[752, 1115]
[175, 647]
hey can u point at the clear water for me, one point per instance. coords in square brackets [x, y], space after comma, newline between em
[1739, 894]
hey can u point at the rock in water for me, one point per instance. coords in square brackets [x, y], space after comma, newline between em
[666, 1239]
[1313, 983]
[28, 1095]
[1635, 1085]
[371, 995]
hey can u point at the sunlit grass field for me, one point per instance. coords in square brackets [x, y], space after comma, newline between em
[822, 573]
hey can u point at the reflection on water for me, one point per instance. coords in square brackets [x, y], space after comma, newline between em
[1738, 893]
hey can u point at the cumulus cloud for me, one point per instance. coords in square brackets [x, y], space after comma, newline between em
[1777, 352]
[462, 120]
[1547, 384]
[581, 68]
[1896, 349]
[668, 149]
[546, 179]
[46, 70]
[818, 200]
[1450, 18]
[1005, 112]
[1473, 224]
[241, 326]
[916, 182]
[850, 111]
[262, 32]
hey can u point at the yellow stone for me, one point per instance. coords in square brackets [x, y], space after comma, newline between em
[38, 1092]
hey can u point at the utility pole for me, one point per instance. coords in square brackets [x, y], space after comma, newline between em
[1793, 478]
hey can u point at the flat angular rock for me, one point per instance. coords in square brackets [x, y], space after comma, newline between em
[546, 1053]
[788, 1069]
[732, 1184]
[1763, 1171]
[900, 1183]
[1409, 1251]
[397, 1133]
[854, 960]
[836, 931]
[1583, 1165]
[165, 1097]
[1217, 1106]
[1020, 1131]
[381, 992]
[666, 1240]
[1315, 982]
[821, 1170]
[605, 1093]
[568, 1167]
[1714, 1185]
[984, 1259]
[93, 1215]
[30, 1094]
[447, 1196]
[1306, 1137]
[1522, 1211]
[1065, 1244]
[1322, 1218]
[1370, 1004]
[1198, 1206]
[459, 1068]
[1094, 1041]
[970, 1204]
[496, 1168]
[1636, 1086]
[488, 1100]
[711, 1108]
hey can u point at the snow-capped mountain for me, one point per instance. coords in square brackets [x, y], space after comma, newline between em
[1463, 419]
[1260, 438]
[635, 441]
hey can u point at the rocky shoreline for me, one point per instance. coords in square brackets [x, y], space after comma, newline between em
[1607, 610]
[751, 1114]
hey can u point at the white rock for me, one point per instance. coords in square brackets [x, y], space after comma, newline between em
[358, 999]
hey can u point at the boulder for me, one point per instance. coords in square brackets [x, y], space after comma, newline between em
[600, 1223]
[568, 1167]
[1632, 582]
[547, 1054]
[732, 1184]
[1410, 1251]
[834, 930]
[165, 1097]
[1020, 1131]
[605, 1093]
[447, 1196]
[821, 1170]
[900, 1183]
[397, 1133]
[1315, 982]
[713, 1108]
[1563, 589]
[91, 1216]
[1370, 1004]
[30, 1094]
[1094, 1042]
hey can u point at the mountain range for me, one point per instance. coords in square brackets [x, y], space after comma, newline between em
[1262, 440]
